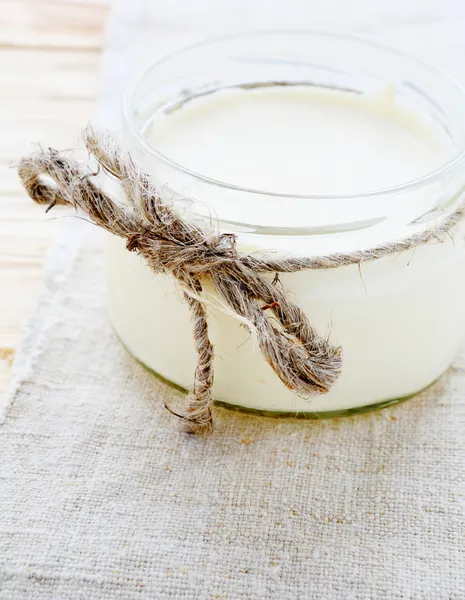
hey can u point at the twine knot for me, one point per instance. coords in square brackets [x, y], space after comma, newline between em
[304, 361]
[174, 255]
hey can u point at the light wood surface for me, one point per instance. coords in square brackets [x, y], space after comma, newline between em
[49, 59]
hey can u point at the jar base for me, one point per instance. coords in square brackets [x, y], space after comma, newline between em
[316, 415]
[284, 414]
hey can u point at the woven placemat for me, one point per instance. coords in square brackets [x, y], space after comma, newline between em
[102, 497]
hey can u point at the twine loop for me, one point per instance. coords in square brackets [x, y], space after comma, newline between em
[306, 362]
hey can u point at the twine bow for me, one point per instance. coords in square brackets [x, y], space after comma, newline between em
[304, 361]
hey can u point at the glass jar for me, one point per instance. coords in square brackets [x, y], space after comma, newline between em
[399, 320]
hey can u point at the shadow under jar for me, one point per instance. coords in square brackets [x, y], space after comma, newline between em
[303, 144]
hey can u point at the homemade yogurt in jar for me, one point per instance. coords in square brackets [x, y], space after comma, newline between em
[303, 145]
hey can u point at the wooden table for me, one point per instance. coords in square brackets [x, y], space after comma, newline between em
[49, 58]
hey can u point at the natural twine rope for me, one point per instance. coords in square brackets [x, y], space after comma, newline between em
[302, 359]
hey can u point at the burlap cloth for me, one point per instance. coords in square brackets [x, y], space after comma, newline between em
[102, 497]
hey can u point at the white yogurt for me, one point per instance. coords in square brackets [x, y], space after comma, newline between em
[299, 140]
[399, 320]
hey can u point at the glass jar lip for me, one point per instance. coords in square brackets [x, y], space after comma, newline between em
[413, 184]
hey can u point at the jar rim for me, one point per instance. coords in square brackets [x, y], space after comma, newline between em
[407, 186]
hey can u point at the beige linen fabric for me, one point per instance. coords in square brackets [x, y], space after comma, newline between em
[102, 497]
